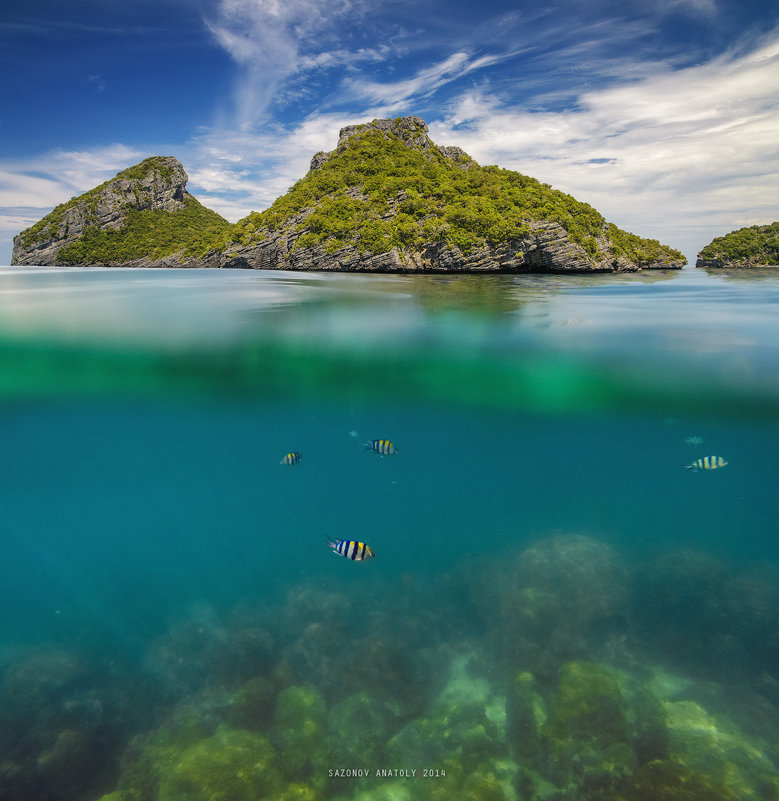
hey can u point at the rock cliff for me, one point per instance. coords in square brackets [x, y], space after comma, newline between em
[387, 198]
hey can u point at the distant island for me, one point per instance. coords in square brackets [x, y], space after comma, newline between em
[387, 199]
[755, 246]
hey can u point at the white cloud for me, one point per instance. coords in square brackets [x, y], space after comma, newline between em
[274, 40]
[425, 82]
[53, 178]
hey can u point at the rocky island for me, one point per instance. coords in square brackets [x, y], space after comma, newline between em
[755, 246]
[387, 199]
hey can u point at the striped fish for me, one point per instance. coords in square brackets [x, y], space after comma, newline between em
[694, 441]
[293, 457]
[707, 463]
[382, 446]
[351, 549]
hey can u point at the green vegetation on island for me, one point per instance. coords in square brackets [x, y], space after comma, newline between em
[745, 247]
[378, 192]
[149, 233]
[387, 197]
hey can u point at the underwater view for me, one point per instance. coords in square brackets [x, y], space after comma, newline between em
[323, 536]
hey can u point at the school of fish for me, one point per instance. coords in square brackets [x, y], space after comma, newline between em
[351, 549]
[359, 551]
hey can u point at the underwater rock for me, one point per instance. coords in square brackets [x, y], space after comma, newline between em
[299, 731]
[588, 705]
[395, 667]
[253, 705]
[715, 748]
[586, 740]
[175, 659]
[465, 724]
[232, 765]
[666, 780]
[395, 673]
[242, 654]
[316, 628]
[586, 737]
[525, 716]
[358, 727]
[63, 720]
[561, 599]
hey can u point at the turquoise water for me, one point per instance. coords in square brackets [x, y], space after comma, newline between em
[158, 558]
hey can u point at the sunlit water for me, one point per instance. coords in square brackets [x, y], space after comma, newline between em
[145, 414]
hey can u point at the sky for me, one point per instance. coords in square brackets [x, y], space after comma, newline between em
[662, 114]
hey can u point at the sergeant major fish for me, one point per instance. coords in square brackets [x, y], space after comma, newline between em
[293, 457]
[706, 463]
[382, 446]
[351, 549]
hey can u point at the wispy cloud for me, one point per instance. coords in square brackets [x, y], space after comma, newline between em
[52, 178]
[273, 40]
[658, 155]
[423, 84]
[97, 82]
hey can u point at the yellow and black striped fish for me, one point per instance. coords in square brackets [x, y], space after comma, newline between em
[382, 446]
[707, 463]
[351, 549]
[293, 457]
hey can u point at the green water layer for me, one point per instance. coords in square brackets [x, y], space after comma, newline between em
[536, 381]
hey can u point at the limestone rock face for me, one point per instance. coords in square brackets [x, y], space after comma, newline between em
[155, 184]
[548, 249]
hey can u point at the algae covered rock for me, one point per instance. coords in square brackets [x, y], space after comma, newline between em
[465, 723]
[715, 748]
[299, 730]
[232, 765]
[525, 716]
[358, 728]
[588, 705]
[586, 737]
[558, 600]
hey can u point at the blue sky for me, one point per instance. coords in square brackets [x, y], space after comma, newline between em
[663, 114]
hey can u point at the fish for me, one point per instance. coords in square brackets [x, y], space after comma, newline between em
[351, 549]
[706, 463]
[694, 440]
[382, 446]
[293, 457]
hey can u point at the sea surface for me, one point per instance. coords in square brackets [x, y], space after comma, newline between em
[160, 566]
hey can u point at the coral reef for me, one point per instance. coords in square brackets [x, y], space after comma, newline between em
[534, 693]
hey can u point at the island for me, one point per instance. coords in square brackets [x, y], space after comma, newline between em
[386, 199]
[751, 247]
